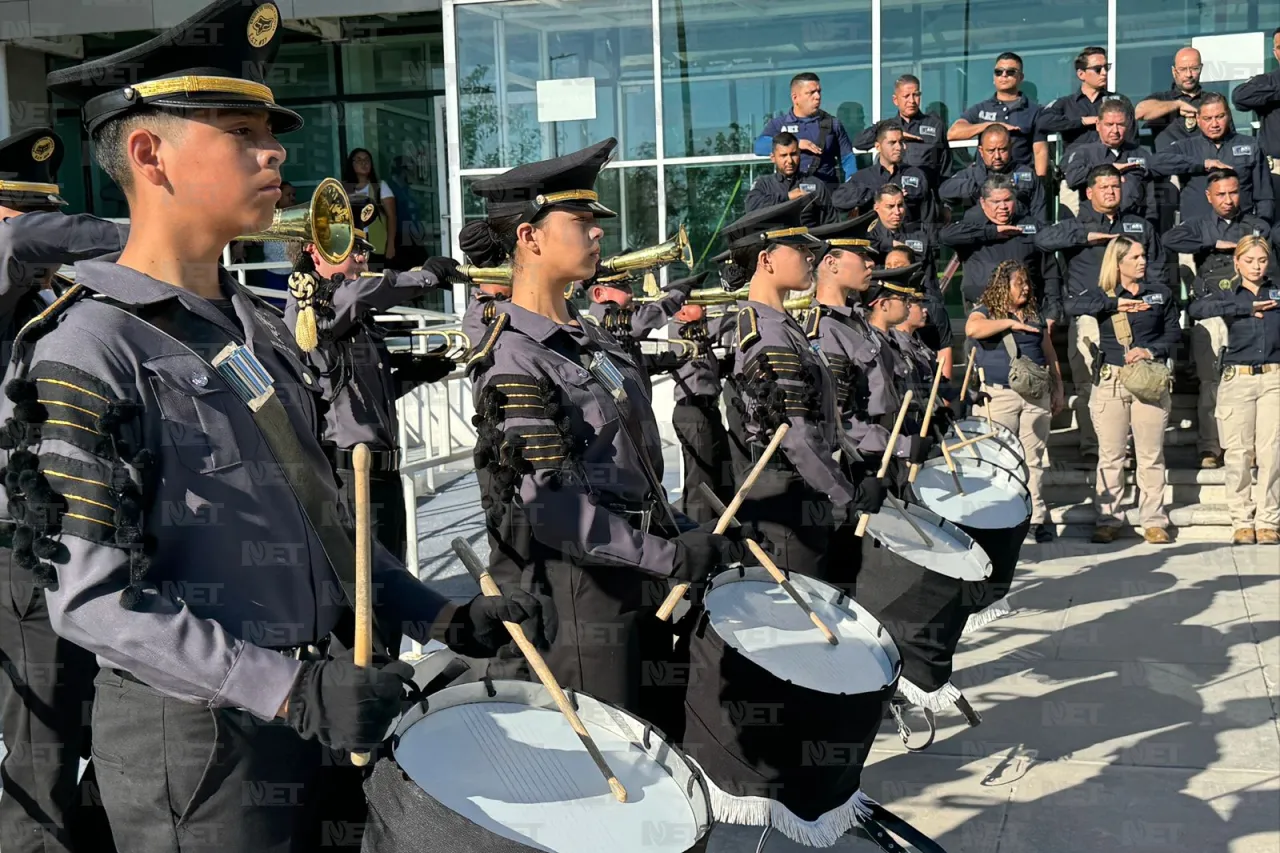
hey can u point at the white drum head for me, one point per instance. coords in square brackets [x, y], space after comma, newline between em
[511, 764]
[750, 611]
[973, 427]
[993, 498]
[953, 552]
[1005, 450]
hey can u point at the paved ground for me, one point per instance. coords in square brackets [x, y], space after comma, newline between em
[1129, 703]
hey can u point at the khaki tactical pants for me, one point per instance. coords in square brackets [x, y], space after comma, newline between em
[1082, 376]
[1030, 421]
[1069, 198]
[1249, 424]
[1116, 413]
[1207, 337]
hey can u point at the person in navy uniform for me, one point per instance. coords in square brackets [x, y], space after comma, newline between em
[49, 680]
[1217, 146]
[925, 134]
[1082, 241]
[803, 494]
[360, 378]
[859, 192]
[1170, 115]
[1108, 143]
[1211, 241]
[574, 502]
[1075, 117]
[788, 183]
[1261, 96]
[825, 150]
[182, 516]
[995, 157]
[1011, 109]
[994, 232]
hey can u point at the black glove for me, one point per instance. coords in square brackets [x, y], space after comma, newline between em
[921, 447]
[681, 287]
[477, 629]
[346, 707]
[417, 369]
[943, 418]
[979, 398]
[699, 554]
[870, 496]
[444, 269]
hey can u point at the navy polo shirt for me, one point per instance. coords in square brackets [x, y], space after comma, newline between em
[1023, 114]
[1157, 329]
[1250, 340]
[992, 356]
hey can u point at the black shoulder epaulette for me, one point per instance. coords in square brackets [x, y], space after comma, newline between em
[489, 311]
[482, 351]
[811, 320]
[748, 327]
[34, 328]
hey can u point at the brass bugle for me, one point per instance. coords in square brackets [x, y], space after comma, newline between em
[705, 296]
[486, 275]
[675, 249]
[452, 343]
[800, 303]
[326, 221]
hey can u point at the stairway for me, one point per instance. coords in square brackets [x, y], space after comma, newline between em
[1195, 498]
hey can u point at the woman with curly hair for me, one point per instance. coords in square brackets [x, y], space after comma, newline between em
[1007, 330]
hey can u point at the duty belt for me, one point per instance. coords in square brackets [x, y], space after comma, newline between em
[384, 461]
[1233, 370]
[1108, 372]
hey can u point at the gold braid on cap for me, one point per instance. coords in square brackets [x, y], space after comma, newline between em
[303, 288]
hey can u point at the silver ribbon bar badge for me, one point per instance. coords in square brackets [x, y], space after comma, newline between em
[245, 374]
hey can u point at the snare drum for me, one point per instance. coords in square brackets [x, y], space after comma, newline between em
[918, 592]
[779, 720]
[995, 511]
[1004, 450]
[494, 766]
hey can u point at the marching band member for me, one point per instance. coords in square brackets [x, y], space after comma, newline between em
[574, 502]
[802, 495]
[134, 472]
[1249, 396]
[477, 243]
[360, 379]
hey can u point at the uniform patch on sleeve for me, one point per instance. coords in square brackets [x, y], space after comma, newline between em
[91, 502]
[77, 404]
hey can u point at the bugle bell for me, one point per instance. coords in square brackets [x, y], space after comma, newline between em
[706, 296]
[675, 249]
[326, 221]
[485, 275]
[451, 343]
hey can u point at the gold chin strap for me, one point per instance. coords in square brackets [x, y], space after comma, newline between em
[303, 287]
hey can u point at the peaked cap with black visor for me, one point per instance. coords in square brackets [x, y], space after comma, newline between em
[777, 223]
[903, 282]
[562, 183]
[216, 59]
[850, 235]
[29, 162]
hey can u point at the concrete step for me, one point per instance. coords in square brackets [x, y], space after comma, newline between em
[1173, 436]
[1173, 476]
[1185, 515]
[1172, 494]
[1195, 533]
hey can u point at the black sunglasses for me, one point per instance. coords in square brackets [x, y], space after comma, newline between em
[1098, 69]
[1007, 72]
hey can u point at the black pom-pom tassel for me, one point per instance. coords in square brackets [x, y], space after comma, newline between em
[21, 390]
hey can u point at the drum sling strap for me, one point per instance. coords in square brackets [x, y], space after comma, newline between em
[879, 822]
[246, 377]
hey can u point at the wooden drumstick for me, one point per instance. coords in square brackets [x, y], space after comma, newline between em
[928, 416]
[716, 504]
[960, 445]
[861, 529]
[539, 666]
[678, 591]
[982, 379]
[361, 460]
[968, 372]
[951, 464]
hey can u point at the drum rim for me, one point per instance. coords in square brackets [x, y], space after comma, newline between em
[823, 591]
[948, 527]
[1022, 470]
[999, 473]
[511, 691]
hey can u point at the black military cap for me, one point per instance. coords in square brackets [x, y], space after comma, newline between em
[566, 183]
[722, 258]
[849, 235]
[29, 162]
[778, 223]
[902, 281]
[217, 58]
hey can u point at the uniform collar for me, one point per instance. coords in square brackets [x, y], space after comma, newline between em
[1016, 103]
[766, 312]
[1144, 287]
[1080, 95]
[844, 311]
[791, 115]
[536, 326]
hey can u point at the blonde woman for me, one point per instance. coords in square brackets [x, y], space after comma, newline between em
[1138, 330]
[1006, 325]
[1248, 411]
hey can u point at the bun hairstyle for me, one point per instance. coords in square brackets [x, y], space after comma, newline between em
[489, 242]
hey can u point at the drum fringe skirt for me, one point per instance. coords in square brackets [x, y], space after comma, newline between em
[824, 831]
[997, 610]
[939, 700]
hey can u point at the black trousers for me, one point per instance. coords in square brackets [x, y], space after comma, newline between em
[386, 499]
[48, 691]
[705, 445]
[795, 518]
[177, 777]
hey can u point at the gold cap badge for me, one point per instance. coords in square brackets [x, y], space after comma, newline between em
[43, 149]
[366, 214]
[263, 23]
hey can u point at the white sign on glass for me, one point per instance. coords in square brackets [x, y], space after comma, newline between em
[1232, 57]
[567, 100]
